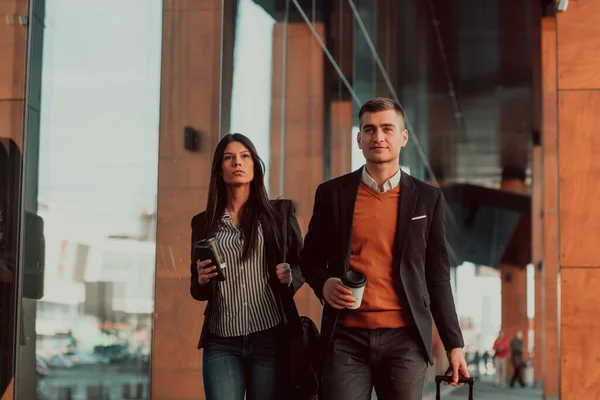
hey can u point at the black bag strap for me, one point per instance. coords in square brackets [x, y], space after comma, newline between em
[284, 217]
[294, 319]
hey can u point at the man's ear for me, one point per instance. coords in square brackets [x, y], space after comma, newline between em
[404, 137]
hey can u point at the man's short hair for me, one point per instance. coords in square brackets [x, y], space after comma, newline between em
[379, 104]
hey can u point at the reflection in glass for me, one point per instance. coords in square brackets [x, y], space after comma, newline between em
[95, 191]
[251, 89]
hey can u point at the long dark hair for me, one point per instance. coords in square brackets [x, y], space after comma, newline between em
[258, 207]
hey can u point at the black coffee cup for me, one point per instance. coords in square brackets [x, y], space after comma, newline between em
[356, 282]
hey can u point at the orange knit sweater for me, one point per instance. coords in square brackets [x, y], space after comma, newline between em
[373, 236]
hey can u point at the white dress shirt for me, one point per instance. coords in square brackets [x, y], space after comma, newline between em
[387, 185]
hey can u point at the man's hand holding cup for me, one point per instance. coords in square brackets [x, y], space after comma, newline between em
[337, 295]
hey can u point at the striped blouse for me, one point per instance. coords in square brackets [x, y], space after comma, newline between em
[245, 302]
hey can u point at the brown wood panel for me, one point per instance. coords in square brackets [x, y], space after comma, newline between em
[278, 101]
[302, 112]
[191, 5]
[174, 233]
[578, 44]
[177, 365]
[580, 348]
[537, 246]
[579, 171]
[190, 76]
[550, 207]
[190, 96]
[551, 312]
[536, 68]
[342, 137]
[304, 118]
[13, 49]
[549, 115]
[302, 109]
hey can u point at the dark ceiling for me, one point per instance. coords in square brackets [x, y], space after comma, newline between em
[464, 67]
[466, 72]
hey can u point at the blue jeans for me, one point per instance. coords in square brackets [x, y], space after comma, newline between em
[251, 364]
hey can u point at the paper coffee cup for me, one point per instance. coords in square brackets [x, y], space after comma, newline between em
[356, 282]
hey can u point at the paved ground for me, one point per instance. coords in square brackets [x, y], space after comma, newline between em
[485, 390]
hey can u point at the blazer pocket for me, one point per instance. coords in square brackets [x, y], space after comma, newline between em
[419, 221]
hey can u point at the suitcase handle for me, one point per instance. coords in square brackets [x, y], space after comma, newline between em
[447, 378]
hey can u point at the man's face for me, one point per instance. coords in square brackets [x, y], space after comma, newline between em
[519, 335]
[381, 136]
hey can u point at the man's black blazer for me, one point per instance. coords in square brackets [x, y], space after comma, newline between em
[292, 240]
[419, 252]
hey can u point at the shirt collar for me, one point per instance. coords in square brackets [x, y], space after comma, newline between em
[226, 216]
[387, 185]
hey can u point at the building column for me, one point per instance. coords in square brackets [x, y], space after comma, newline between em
[514, 277]
[537, 222]
[190, 97]
[297, 119]
[578, 62]
[343, 138]
[537, 253]
[550, 209]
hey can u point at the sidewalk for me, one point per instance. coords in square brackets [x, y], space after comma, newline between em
[484, 391]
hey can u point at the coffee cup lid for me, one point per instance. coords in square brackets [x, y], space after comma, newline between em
[354, 279]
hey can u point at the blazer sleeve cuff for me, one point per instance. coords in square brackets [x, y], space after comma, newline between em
[320, 278]
[200, 292]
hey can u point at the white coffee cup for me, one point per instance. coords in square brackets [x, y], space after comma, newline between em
[356, 282]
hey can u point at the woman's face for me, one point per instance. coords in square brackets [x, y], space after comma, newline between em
[237, 165]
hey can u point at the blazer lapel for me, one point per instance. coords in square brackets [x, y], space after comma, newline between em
[406, 207]
[347, 199]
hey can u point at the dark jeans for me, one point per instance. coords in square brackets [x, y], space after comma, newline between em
[251, 364]
[517, 376]
[391, 360]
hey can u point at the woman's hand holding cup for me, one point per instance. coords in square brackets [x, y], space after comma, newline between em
[204, 274]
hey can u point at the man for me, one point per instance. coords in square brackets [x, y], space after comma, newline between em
[389, 226]
[516, 349]
[501, 349]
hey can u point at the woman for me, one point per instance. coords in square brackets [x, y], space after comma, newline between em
[244, 332]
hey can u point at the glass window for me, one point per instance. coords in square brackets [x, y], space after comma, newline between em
[90, 200]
